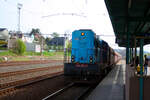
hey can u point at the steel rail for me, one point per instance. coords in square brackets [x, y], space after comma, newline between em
[58, 92]
[23, 84]
[7, 74]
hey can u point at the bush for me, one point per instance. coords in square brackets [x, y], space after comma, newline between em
[20, 47]
[1, 59]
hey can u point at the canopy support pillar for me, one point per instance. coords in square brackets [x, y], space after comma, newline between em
[141, 69]
[127, 49]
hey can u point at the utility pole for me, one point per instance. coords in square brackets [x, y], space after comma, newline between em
[42, 45]
[19, 6]
[65, 52]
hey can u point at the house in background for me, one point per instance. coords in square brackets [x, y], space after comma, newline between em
[32, 47]
[27, 39]
[30, 44]
[57, 41]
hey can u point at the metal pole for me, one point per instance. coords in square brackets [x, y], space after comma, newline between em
[65, 55]
[127, 49]
[141, 69]
[135, 52]
[132, 55]
[19, 19]
[129, 55]
[41, 45]
[19, 8]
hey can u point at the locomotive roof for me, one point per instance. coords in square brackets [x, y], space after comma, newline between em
[103, 41]
[85, 30]
[129, 17]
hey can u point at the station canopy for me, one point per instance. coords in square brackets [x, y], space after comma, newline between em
[130, 17]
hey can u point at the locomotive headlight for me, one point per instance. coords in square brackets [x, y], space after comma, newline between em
[72, 58]
[91, 59]
[82, 33]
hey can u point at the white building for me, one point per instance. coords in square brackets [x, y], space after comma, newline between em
[32, 47]
[28, 39]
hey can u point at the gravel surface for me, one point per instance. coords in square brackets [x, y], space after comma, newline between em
[14, 78]
[38, 90]
[26, 67]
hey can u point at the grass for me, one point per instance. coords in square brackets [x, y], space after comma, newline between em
[7, 53]
[43, 53]
[3, 48]
[20, 59]
[31, 56]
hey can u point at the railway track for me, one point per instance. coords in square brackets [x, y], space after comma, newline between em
[49, 89]
[72, 91]
[11, 87]
[34, 90]
[42, 87]
[6, 74]
[14, 63]
[58, 92]
[10, 74]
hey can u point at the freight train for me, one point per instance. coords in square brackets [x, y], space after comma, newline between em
[90, 56]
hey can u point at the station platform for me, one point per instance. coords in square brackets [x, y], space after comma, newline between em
[112, 86]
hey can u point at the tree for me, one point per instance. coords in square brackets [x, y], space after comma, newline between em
[41, 42]
[68, 44]
[55, 34]
[35, 31]
[47, 40]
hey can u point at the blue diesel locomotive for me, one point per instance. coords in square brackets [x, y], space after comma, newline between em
[89, 55]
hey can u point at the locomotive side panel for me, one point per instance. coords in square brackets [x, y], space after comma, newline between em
[104, 54]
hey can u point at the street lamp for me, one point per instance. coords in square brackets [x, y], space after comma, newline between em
[19, 6]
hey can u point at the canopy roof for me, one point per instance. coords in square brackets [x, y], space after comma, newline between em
[129, 17]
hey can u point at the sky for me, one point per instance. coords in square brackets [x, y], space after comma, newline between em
[61, 16]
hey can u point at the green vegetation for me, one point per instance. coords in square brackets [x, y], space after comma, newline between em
[69, 45]
[56, 47]
[45, 53]
[35, 31]
[31, 56]
[55, 34]
[20, 47]
[20, 59]
[3, 48]
[148, 54]
[7, 53]
[1, 59]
